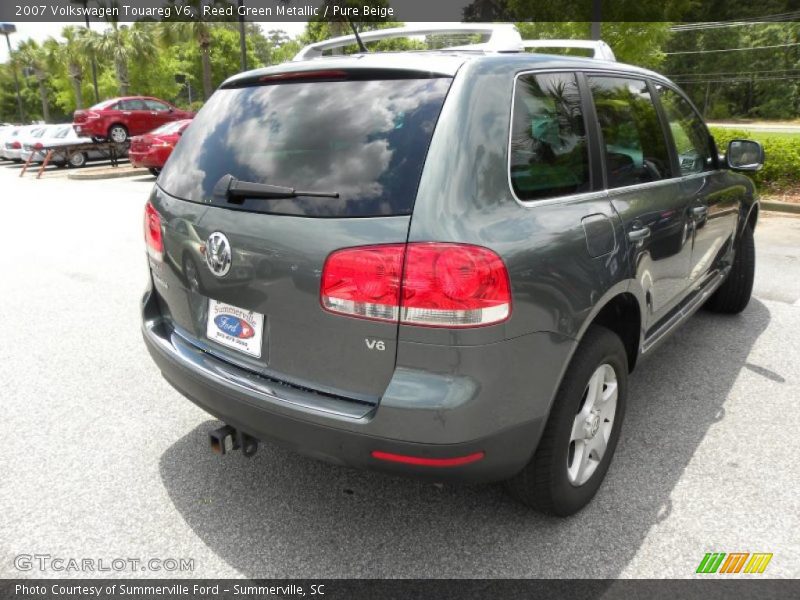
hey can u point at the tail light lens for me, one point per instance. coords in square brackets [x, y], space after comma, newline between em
[152, 233]
[16, 145]
[38, 146]
[431, 284]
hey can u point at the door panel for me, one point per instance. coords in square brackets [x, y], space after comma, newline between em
[713, 199]
[645, 192]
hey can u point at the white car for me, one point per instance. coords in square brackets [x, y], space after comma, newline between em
[12, 145]
[35, 139]
[59, 136]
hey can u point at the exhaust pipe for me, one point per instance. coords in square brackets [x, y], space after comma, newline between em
[227, 439]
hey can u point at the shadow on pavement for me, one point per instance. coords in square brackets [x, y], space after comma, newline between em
[282, 515]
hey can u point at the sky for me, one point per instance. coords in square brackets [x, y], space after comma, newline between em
[42, 31]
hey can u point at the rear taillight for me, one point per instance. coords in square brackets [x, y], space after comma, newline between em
[152, 233]
[421, 283]
[38, 146]
[16, 145]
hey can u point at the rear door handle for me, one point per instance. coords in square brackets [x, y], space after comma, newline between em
[638, 234]
[698, 211]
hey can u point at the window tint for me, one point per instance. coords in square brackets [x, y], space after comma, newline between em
[363, 139]
[692, 141]
[156, 105]
[635, 148]
[548, 140]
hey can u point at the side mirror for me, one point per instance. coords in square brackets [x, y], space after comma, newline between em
[745, 155]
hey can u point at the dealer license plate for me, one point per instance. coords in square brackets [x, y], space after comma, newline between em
[235, 327]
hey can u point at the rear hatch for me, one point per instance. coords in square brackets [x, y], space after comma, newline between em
[360, 136]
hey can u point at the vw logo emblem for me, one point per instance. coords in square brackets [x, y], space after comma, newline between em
[218, 254]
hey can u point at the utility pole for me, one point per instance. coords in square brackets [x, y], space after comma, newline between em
[242, 42]
[7, 29]
[597, 17]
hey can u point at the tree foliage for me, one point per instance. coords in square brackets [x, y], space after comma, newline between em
[146, 57]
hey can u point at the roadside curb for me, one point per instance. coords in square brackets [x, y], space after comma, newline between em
[107, 174]
[774, 205]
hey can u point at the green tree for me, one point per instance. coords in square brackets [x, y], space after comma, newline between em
[33, 58]
[123, 44]
[69, 54]
[199, 31]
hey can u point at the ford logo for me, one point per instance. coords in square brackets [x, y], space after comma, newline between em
[234, 326]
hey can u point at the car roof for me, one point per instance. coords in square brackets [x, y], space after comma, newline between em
[441, 62]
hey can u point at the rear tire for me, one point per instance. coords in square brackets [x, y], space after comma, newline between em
[734, 294]
[77, 160]
[154, 171]
[117, 133]
[555, 481]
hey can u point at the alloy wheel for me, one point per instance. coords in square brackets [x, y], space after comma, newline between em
[592, 426]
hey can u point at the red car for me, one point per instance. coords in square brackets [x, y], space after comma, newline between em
[152, 150]
[119, 118]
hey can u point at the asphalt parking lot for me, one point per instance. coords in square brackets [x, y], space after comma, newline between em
[102, 459]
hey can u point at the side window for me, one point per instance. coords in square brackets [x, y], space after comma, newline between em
[635, 148]
[692, 141]
[156, 105]
[132, 105]
[549, 154]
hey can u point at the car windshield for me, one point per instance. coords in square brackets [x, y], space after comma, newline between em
[363, 139]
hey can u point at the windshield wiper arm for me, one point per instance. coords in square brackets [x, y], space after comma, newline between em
[230, 188]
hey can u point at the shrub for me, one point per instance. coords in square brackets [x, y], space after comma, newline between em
[782, 162]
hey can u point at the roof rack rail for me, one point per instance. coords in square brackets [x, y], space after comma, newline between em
[602, 51]
[503, 37]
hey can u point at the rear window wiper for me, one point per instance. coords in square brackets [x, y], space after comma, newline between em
[231, 189]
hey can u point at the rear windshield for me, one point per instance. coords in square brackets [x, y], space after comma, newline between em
[170, 127]
[365, 140]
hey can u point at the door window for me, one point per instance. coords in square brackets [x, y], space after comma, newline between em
[692, 142]
[549, 154]
[635, 147]
[131, 105]
[156, 105]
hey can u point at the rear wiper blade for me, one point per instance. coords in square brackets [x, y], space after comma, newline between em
[230, 188]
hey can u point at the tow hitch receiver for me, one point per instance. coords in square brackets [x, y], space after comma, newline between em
[227, 439]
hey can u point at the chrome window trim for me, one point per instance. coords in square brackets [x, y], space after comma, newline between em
[595, 194]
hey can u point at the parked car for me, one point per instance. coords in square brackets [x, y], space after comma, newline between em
[62, 136]
[152, 150]
[119, 118]
[12, 147]
[34, 139]
[474, 250]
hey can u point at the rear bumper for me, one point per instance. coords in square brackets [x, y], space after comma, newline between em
[346, 432]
